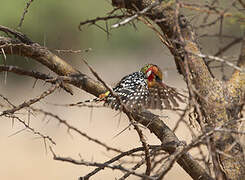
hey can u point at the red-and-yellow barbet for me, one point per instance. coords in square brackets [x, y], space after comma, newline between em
[143, 90]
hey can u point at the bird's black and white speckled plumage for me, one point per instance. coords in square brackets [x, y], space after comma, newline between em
[142, 90]
[132, 90]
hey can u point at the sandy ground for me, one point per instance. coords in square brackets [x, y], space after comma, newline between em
[23, 156]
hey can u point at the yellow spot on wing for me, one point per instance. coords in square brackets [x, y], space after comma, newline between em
[103, 96]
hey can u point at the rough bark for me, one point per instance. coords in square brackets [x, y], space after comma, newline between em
[220, 102]
[54, 63]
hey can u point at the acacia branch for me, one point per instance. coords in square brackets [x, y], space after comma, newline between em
[34, 74]
[219, 102]
[126, 153]
[170, 143]
[95, 164]
[95, 20]
[228, 46]
[30, 102]
[23, 46]
[236, 82]
[73, 128]
[28, 127]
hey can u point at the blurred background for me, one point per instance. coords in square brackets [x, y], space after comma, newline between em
[54, 24]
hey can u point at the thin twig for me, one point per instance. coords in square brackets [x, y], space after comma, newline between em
[73, 128]
[142, 12]
[24, 13]
[31, 101]
[219, 60]
[126, 153]
[34, 74]
[100, 165]
[95, 20]
[27, 126]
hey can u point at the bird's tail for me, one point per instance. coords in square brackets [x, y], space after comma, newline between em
[91, 100]
[101, 98]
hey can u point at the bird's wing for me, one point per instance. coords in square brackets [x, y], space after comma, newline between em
[167, 95]
[133, 99]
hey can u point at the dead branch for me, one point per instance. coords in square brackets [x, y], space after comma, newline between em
[33, 74]
[99, 165]
[28, 127]
[227, 96]
[23, 46]
[30, 102]
[126, 153]
[25, 12]
[95, 20]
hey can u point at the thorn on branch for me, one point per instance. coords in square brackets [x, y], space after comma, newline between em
[105, 18]
[30, 102]
[72, 51]
[35, 74]
[73, 128]
[99, 165]
[126, 153]
[22, 37]
[27, 126]
[140, 13]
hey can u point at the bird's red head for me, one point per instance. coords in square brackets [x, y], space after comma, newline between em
[153, 74]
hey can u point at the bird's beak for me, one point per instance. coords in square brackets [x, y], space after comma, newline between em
[162, 84]
[159, 80]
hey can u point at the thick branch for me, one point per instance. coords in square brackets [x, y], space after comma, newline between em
[170, 143]
[34, 74]
[237, 81]
[218, 105]
[54, 63]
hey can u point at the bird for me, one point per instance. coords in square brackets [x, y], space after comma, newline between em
[141, 90]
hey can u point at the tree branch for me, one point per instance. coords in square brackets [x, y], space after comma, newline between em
[23, 46]
[34, 74]
[219, 102]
